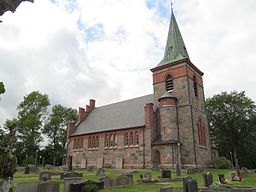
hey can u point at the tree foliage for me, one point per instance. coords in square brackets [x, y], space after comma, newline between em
[55, 129]
[10, 5]
[2, 89]
[31, 115]
[230, 117]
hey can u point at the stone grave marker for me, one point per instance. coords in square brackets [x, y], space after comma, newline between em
[48, 166]
[99, 162]
[166, 189]
[45, 176]
[27, 186]
[119, 163]
[26, 170]
[33, 168]
[124, 180]
[185, 183]
[75, 187]
[222, 178]
[70, 175]
[70, 180]
[83, 163]
[192, 185]
[101, 172]
[166, 174]
[208, 179]
[49, 186]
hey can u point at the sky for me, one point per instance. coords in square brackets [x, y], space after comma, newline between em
[76, 50]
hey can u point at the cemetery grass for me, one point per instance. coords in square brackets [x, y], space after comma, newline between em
[137, 186]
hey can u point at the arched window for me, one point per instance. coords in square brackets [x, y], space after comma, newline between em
[74, 144]
[115, 139]
[136, 138]
[131, 138]
[169, 83]
[89, 142]
[106, 141]
[126, 140]
[110, 140]
[195, 86]
[81, 145]
[78, 143]
[93, 142]
[201, 133]
[97, 142]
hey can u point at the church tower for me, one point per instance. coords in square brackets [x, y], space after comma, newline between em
[183, 135]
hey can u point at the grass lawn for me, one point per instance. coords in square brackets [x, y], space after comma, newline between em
[137, 186]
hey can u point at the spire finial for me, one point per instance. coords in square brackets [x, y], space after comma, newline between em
[171, 5]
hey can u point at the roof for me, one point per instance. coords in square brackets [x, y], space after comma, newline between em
[121, 115]
[175, 49]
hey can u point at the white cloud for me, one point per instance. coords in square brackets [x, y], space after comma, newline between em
[103, 49]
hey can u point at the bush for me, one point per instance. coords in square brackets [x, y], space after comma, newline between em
[222, 163]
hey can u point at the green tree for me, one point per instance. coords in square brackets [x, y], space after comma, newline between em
[10, 5]
[2, 89]
[32, 112]
[230, 117]
[5, 134]
[55, 129]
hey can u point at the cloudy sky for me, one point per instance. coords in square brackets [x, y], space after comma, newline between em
[74, 50]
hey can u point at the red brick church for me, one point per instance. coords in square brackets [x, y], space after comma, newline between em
[163, 129]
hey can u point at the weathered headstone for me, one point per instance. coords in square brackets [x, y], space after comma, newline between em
[99, 162]
[49, 186]
[107, 182]
[48, 166]
[45, 176]
[185, 183]
[192, 185]
[33, 168]
[166, 174]
[80, 186]
[222, 178]
[26, 170]
[166, 189]
[208, 179]
[101, 172]
[70, 175]
[124, 180]
[83, 163]
[119, 163]
[70, 180]
[27, 186]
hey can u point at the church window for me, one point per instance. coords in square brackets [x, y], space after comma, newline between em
[169, 83]
[93, 142]
[136, 138]
[81, 144]
[115, 139]
[106, 141]
[97, 142]
[131, 138]
[195, 86]
[89, 142]
[126, 139]
[74, 144]
[78, 144]
[110, 140]
[201, 133]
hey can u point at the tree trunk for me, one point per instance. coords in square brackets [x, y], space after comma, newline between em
[236, 160]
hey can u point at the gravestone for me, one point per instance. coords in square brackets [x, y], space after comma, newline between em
[119, 163]
[83, 163]
[49, 186]
[222, 178]
[166, 189]
[101, 172]
[45, 176]
[27, 186]
[192, 185]
[26, 170]
[70, 175]
[48, 166]
[124, 180]
[166, 174]
[185, 183]
[70, 180]
[99, 162]
[75, 187]
[146, 177]
[33, 168]
[208, 179]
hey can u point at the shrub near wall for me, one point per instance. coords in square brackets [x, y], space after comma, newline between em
[222, 163]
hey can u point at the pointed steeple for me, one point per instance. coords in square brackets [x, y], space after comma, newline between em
[175, 49]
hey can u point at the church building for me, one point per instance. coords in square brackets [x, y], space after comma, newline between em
[168, 128]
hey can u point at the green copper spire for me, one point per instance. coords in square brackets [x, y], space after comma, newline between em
[175, 49]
